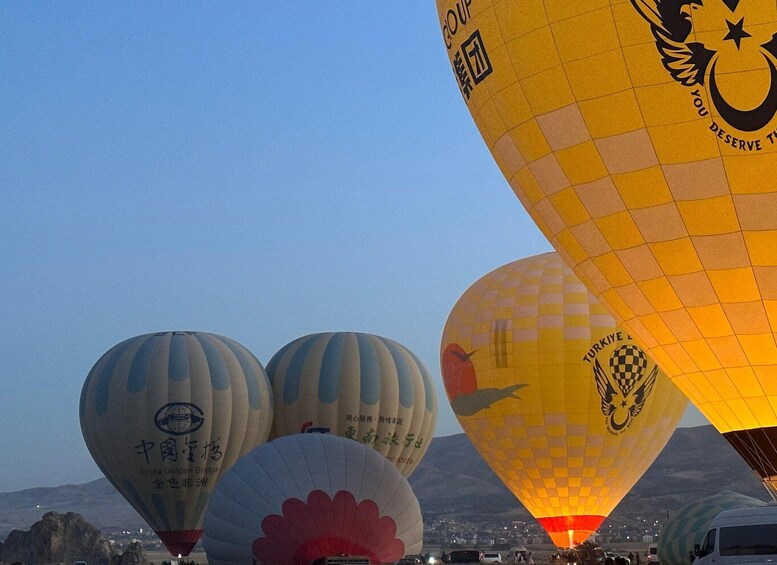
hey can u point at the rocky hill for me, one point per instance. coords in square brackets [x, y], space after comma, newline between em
[57, 538]
[133, 555]
[97, 501]
[452, 480]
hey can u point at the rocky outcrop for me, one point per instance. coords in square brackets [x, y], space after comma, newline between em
[57, 538]
[133, 555]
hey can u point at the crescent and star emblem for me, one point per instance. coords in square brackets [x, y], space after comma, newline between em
[693, 63]
[625, 388]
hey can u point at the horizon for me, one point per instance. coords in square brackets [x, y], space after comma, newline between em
[101, 477]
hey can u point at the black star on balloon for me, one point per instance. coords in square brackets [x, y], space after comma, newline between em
[736, 32]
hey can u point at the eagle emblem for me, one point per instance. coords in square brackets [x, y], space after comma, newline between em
[729, 44]
[624, 391]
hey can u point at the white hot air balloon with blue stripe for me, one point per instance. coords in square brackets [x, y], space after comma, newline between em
[356, 385]
[165, 414]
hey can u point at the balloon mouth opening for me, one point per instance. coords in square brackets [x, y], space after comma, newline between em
[180, 542]
[570, 531]
[758, 447]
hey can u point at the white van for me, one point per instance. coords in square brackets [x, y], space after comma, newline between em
[743, 535]
[651, 555]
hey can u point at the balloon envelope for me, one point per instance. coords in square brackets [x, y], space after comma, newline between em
[641, 138]
[305, 496]
[356, 385]
[165, 414]
[690, 524]
[559, 401]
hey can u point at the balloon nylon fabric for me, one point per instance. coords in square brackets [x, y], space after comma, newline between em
[305, 492]
[356, 385]
[164, 414]
[640, 137]
[531, 363]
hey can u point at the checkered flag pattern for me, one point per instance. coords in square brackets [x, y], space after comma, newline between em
[627, 366]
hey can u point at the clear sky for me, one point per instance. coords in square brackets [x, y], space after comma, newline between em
[261, 170]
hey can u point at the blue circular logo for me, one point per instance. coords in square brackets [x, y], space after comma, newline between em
[179, 418]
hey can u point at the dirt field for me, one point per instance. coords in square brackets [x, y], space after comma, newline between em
[541, 553]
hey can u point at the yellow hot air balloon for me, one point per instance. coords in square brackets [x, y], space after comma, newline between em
[165, 415]
[641, 137]
[560, 402]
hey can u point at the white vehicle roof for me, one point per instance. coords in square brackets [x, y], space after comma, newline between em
[766, 514]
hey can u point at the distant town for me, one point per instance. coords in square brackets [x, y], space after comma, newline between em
[487, 533]
[447, 532]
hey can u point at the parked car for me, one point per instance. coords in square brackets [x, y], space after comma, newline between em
[465, 556]
[489, 557]
[616, 556]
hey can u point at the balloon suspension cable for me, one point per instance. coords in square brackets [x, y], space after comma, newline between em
[771, 486]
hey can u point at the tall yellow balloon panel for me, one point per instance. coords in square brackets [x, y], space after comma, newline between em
[559, 401]
[641, 137]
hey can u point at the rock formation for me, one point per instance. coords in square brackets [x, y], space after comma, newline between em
[133, 555]
[57, 538]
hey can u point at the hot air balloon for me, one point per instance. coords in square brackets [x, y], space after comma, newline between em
[690, 524]
[361, 386]
[306, 496]
[566, 409]
[641, 137]
[165, 414]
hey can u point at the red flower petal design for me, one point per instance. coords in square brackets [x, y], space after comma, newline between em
[327, 526]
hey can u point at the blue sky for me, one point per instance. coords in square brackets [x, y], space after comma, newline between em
[259, 170]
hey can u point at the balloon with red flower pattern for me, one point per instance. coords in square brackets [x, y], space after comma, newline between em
[306, 496]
